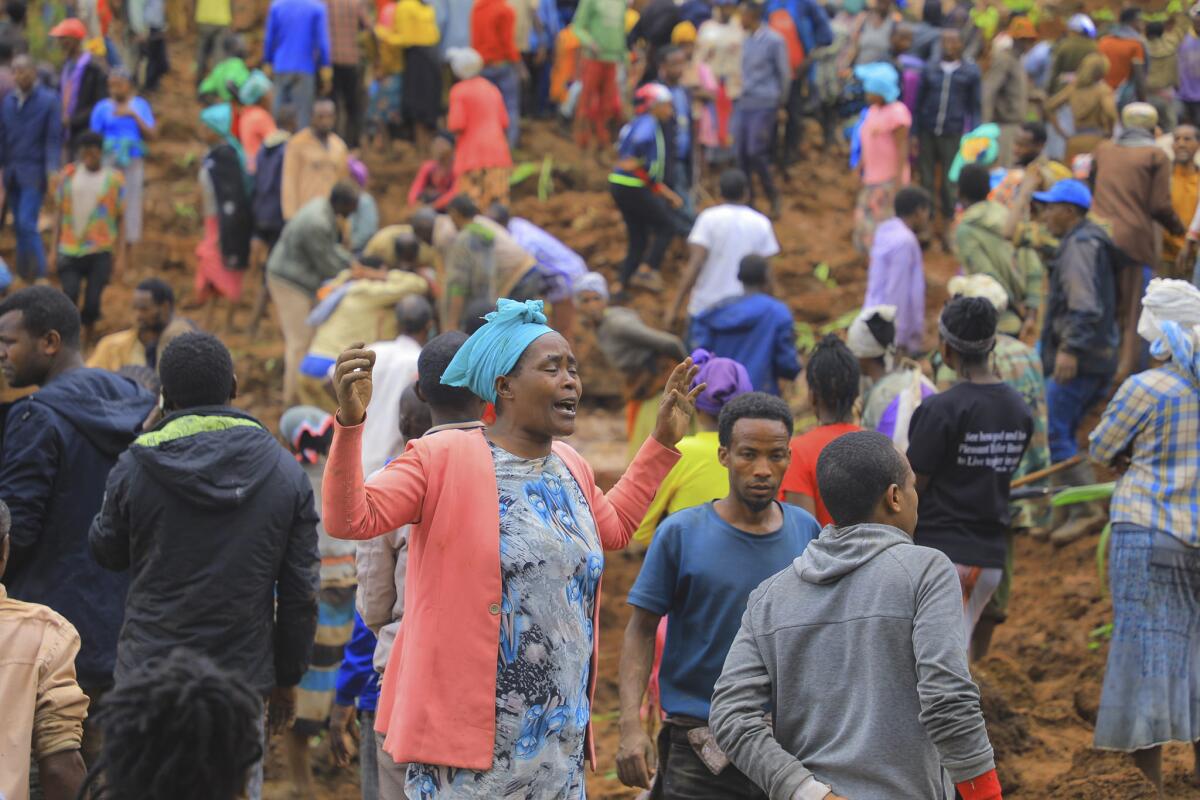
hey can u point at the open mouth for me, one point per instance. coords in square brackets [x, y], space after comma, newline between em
[567, 407]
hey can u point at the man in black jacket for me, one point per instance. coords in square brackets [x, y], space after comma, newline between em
[217, 524]
[59, 444]
[1079, 335]
[84, 81]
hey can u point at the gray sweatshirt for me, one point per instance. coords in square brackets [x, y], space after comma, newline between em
[858, 649]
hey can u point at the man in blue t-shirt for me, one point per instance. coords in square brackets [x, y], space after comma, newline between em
[701, 567]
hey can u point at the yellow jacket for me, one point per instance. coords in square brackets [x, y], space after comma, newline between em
[365, 313]
[414, 25]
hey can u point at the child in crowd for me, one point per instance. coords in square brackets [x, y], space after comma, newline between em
[126, 123]
[91, 204]
[896, 275]
[964, 445]
[308, 432]
[436, 183]
[833, 376]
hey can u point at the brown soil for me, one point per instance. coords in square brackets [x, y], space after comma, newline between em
[1041, 685]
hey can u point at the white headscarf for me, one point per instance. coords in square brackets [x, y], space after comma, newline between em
[464, 62]
[979, 285]
[1170, 321]
[592, 282]
[861, 341]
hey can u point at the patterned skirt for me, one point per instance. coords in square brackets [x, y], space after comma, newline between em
[874, 205]
[1151, 689]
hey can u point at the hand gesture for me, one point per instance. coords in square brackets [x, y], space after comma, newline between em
[281, 709]
[678, 404]
[352, 383]
[634, 758]
[342, 731]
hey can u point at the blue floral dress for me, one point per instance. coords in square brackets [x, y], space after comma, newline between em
[550, 564]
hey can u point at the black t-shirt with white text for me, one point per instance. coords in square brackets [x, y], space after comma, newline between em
[969, 441]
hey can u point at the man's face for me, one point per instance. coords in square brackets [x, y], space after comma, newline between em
[1025, 148]
[24, 74]
[119, 88]
[1186, 144]
[1059, 218]
[672, 68]
[69, 45]
[91, 157]
[591, 305]
[24, 359]
[757, 457]
[952, 46]
[902, 40]
[148, 316]
[323, 118]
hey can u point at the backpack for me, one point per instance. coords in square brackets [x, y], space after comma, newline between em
[266, 200]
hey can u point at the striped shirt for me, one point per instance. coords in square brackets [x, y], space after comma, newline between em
[344, 25]
[1155, 417]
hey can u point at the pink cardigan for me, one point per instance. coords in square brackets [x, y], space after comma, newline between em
[438, 701]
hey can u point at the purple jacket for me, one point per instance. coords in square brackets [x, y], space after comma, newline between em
[896, 277]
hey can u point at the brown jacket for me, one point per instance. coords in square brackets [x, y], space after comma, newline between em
[1132, 192]
[310, 169]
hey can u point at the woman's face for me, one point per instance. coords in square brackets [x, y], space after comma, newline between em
[542, 393]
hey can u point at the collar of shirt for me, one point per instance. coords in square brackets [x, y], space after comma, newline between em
[950, 66]
[449, 426]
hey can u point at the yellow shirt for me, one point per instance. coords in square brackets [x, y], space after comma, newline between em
[695, 479]
[366, 313]
[43, 706]
[124, 349]
[213, 12]
[1185, 192]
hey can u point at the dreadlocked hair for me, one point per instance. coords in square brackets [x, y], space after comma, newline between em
[177, 728]
[832, 375]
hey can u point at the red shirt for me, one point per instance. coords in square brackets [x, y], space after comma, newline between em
[801, 476]
[492, 34]
[478, 117]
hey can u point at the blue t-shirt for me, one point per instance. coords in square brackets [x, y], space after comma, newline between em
[122, 136]
[699, 572]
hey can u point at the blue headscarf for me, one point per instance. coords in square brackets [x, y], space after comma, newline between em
[1178, 344]
[494, 349]
[879, 78]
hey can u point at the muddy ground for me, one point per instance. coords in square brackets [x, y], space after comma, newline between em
[1042, 683]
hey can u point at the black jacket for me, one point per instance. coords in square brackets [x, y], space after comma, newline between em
[949, 107]
[1081, 308]
[59, 444]
[93, 87]
[216, 522]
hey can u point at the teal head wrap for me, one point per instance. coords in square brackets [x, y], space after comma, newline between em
[254, 88]
[494, 349]
[879, 78]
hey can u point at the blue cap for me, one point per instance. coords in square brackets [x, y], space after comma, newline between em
[1069, 191]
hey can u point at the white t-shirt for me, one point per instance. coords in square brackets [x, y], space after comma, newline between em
[395, 369]
[730, 233]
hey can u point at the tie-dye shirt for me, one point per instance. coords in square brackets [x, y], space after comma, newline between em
[99, 233]
[550, 563]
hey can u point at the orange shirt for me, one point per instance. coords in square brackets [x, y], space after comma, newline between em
[801, 475]
[566, 64]
[492, 25]
[478, 117]
[1122, 54]
[256, 125]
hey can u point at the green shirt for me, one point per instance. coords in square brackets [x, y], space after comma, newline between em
[600, 26]
[231, 70]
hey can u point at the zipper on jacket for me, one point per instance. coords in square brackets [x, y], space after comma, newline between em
[944, 101]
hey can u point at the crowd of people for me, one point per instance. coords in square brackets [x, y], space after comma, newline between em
[408, 562]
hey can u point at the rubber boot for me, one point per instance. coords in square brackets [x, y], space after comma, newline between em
[1083, 518]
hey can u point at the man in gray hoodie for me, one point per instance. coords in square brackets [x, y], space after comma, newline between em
[858, 649]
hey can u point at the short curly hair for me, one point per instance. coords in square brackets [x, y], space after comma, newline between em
[853, 472]
[752, 405]
[196, 369]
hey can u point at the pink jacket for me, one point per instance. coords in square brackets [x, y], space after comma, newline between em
[438, 701]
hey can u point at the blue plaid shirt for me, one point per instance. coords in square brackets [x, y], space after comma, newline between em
[1155, 417]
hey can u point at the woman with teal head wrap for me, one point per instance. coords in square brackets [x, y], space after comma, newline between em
[507, 531]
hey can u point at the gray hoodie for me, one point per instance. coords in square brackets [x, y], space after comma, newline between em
[858, 649]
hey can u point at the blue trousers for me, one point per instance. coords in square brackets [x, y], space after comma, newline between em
[505, 78]
[26, 204]
[754, 131]
[295, 90]
[1066, 405]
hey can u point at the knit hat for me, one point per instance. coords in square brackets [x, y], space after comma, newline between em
[725, 379]
[879, 78]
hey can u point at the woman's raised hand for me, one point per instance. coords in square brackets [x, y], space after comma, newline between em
[678, 404]
[352, 383]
